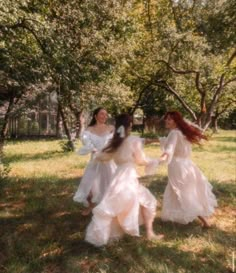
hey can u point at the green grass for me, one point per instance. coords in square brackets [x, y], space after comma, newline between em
[42, 230]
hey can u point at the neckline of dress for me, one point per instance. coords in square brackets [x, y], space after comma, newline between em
[105, 134]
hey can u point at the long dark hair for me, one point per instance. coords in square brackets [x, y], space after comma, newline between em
[192, 133]
[95, 112]
[124, 120]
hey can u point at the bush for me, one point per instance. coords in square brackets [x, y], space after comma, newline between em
[67, 146]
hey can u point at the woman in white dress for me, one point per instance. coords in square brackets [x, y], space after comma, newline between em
[188, 194]
[97, 175]
[126, 203]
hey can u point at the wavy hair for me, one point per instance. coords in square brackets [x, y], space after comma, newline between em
[192, 133]
[121, 120]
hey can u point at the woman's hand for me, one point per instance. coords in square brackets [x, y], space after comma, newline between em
[163, 157]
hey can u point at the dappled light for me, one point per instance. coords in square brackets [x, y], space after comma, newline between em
[42, 229]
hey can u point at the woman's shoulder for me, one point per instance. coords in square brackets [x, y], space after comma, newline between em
[85, 134]
[175, 131]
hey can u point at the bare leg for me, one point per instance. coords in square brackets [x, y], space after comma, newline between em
[204, 222]
[149, 226]
[88, 210]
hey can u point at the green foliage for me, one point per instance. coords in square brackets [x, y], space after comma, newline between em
[118, 54]
[66, 146]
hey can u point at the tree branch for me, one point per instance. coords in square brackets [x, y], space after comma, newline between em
[171, 90]
[226, 107]
[178, 71]
[231, 58]
[216, 95]
[185, 72]
[22, 24]
[229, 81]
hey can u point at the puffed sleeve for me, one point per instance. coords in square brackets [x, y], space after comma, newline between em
[88, 146]
[170, 144]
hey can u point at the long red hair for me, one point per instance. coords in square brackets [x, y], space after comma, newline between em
[192, 133]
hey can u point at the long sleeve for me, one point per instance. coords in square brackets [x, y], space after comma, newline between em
[88, 146]
[162, 141]
[139, 155]
[170, 144]
[141, 159]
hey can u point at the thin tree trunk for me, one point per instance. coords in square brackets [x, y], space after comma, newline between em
[58, 120]
[3, 131]
[66, 128]
[215, 124]
[3, 134]
[78, 125]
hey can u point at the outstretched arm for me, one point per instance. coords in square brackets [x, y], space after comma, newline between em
[169, 147]
[163, 157]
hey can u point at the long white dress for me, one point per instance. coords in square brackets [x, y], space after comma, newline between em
[97, 175]
[120, 209]
[188, 193]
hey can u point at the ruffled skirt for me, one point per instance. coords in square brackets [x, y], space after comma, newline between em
[188, 193]
[95, 181]
[121, 210]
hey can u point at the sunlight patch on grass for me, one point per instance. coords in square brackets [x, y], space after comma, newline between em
[51, 250]
[42, 229]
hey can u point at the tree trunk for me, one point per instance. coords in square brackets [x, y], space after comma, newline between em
[215, 124]
[3, 131]
[78, 123]
[67, 131]
[58, 124]
[3, 134]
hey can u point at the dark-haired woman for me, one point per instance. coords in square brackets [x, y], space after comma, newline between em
[188, 194]
[126, 203]
[97, 175]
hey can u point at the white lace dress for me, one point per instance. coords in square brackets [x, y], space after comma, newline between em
[97, 175]
[188, 193]
[120, 209]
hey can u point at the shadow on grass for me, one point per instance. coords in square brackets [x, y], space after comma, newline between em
[29, 157]
[42, 230]
[225, 194]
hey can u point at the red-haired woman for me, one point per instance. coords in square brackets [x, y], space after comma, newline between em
[188, 194]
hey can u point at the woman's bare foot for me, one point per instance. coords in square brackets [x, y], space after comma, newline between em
[205, 223]
[155, 237]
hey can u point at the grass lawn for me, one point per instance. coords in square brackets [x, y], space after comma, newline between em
[42, 230]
